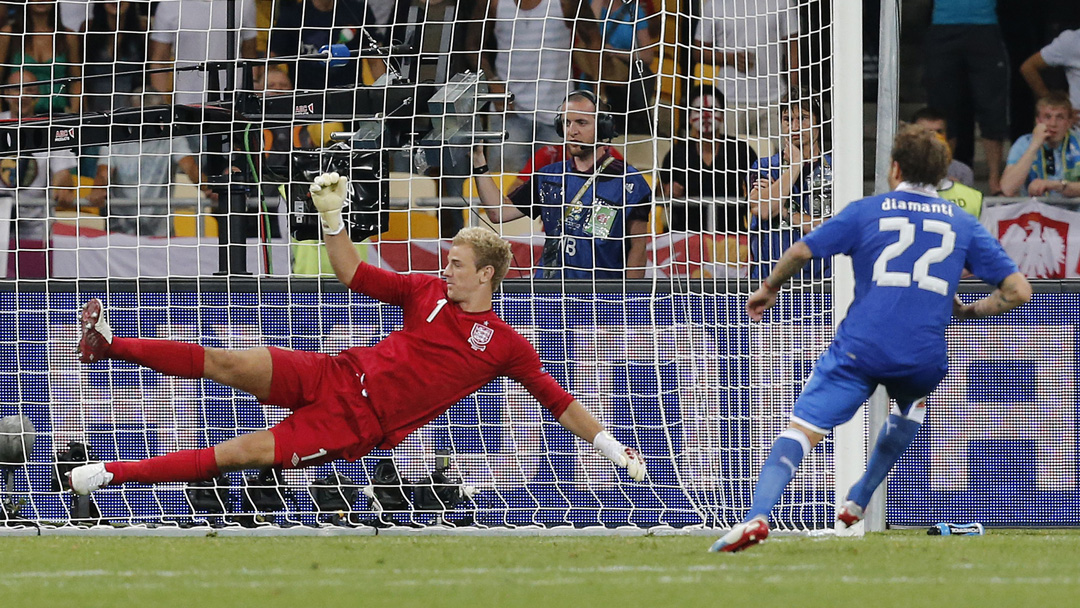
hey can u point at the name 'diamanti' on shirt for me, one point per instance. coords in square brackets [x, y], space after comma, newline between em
[890, 204]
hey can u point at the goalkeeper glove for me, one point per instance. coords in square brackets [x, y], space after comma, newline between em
[627, 458]
[328, 195]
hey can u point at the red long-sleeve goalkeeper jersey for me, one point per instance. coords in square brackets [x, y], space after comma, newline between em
[440, 355]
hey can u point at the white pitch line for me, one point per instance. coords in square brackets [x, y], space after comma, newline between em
[450, 577]
[483, 571]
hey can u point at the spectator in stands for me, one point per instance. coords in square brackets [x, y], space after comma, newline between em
[545, 156]
[193, 31]
[36, 42]
[34, 179]
[792, 193]
[305, 26]
[134, 179]
[1063, 52]
[21, 102]
[601, 230]
[390, 19]
[196, 31]
[115, 34]
[707, 165]
[274, 81]
[967, 198]
[627, 82]
[1046, 162]
[934, 120]
[280, 141]
[531, 50]
[388, 14]
[753, 47]
[951, 188]
[967, 64]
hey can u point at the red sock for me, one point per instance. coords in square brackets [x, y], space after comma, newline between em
[186, 465]
[171, 358]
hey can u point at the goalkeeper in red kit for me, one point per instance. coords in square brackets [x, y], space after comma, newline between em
[345, 405]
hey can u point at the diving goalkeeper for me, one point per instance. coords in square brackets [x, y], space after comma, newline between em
[345, 405]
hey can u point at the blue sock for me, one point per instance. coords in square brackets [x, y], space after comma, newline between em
[787, 452]
[894, 438]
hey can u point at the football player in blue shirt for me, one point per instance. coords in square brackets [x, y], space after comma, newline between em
[908, 248]
[595, 207]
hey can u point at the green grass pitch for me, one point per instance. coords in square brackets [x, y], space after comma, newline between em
[897, 568]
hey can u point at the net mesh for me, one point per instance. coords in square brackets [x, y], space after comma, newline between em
[160, 189]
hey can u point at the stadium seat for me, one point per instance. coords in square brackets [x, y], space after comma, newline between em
[658, 222]
[664, 65]
[704, 75]
[81, 219]
[85, 184]
[183, 187]
[185, 219]
[83, 216]
[406, 220]
[408, 188]
[647, 154]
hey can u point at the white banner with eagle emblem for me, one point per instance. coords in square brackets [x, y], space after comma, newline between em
[1043, 240]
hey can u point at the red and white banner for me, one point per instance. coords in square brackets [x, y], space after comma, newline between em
[698, 255]
[89, 253]
[1042, 239]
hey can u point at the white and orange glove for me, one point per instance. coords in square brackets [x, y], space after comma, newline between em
[328, 194]
[627, 458]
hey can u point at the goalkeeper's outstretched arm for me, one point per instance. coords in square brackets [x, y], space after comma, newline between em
[328, 194]
[580, 422]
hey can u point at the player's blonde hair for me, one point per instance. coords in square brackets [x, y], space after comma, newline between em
[923, 158]
[490, 250]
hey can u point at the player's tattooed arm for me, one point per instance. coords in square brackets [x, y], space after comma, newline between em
[1013, 291]
[790, 263]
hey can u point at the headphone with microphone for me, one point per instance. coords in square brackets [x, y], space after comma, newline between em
[605, 122]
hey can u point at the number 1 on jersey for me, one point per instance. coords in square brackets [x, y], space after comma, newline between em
[921, 269]
[438, 306]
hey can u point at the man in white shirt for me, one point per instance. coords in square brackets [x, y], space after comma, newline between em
[30, 179]
[753, 47]
[1063, 52]
[531, 44]
[139, 176]
[194, 31]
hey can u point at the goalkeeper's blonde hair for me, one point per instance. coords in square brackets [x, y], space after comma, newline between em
[490, 250]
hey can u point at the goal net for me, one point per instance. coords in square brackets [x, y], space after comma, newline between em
[184, 210]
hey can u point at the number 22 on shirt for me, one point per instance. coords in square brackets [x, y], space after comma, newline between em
[920, 272]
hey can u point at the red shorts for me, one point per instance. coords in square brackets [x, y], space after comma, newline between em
[331, 417]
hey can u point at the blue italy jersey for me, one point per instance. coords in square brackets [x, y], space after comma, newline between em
[585, 239]
[908, 248]
[769, 240]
